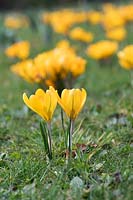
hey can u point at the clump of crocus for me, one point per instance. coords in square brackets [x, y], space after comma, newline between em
[44, 104]
[59, 67]
[24, 69]
[16, 21]
[94, 17]
[62, 20]
[18, 50]
[81, 35]
[102, 49]
[114, 16]
[125, 57]
[118, 33]
[112, 19]
[126, 12]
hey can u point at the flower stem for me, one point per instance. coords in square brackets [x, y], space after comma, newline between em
[71, 128]
[62, 120]
[49, 140]
[63, 127]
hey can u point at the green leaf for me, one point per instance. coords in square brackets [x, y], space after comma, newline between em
[44, 136]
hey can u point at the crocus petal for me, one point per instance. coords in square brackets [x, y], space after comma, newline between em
[82, 100]
[34, 104]
[42, 103]
[72, 101]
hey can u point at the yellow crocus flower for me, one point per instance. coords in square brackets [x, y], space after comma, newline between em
[16, 21]
[112, 19]
[102, 49]
[94, 17]
[126, 57]
[81, 35]
[118, 33]
[72, 101]
[24, 68]
[18, 50]
[43, 103]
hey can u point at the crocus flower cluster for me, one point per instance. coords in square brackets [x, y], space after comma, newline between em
[126, 57]
[62, 20]
[118, 33]
[109, 17]
[112, 19]
[26, 70]
[126, 12]
[16, 21]
[59, 67]
[102, 49]
[94, 17]
[19, 50]
[44, 104]
[81, 35]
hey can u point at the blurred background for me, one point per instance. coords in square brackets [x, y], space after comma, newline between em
[24, 4]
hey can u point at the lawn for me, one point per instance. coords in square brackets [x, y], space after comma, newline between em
[104, 128]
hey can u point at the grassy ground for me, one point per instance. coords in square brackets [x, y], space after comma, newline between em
[105, 126]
